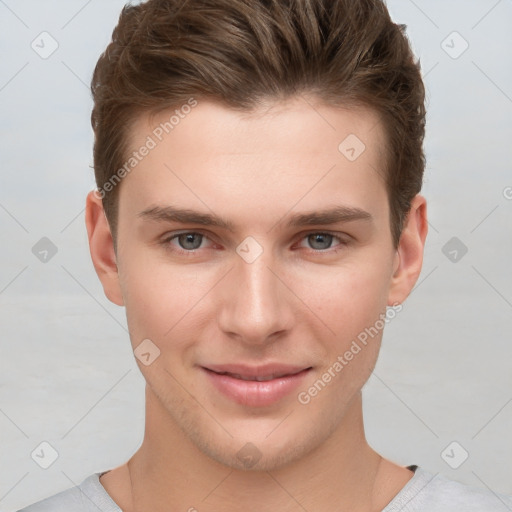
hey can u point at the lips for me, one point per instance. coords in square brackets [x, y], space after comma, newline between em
[258, 378]
[255, 386]
[259, 373]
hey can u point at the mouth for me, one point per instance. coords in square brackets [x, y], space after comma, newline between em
[256, 386]
[258, 378]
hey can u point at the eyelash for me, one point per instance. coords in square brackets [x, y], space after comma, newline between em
[190, 253]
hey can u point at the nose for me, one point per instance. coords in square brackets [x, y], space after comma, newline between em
[257, 303]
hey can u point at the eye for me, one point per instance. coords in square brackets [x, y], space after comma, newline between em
[186, 242]
[321, 241]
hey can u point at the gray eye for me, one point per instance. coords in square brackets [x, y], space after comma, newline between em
[186, 240]
[320, 241]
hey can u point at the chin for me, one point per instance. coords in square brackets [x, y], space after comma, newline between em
[257, 451]
[250, 458]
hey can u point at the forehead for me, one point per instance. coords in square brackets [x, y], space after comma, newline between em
[275, 123]
[298, 151]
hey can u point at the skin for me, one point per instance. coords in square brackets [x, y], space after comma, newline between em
[302, 301]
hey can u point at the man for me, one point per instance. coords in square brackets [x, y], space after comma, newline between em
[258, 166]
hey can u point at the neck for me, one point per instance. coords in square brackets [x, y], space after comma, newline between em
[343, 473]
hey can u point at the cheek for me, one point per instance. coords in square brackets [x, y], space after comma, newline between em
[156, 297]
[346, 299]
[351, 303]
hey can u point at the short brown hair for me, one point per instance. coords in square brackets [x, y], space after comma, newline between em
[244, 52]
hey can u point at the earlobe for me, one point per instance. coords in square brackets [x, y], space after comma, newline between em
[101, 246]
[410, 252]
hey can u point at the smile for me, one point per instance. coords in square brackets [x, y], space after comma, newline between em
[257, 378]
[257, 387]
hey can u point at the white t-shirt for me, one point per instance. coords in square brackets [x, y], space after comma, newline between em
[424, 492]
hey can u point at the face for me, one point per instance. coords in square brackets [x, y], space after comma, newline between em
[253, 252]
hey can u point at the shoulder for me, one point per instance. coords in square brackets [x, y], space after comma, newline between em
[89, 496]
[427, 492]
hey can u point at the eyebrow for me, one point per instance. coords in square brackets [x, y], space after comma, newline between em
[187, 216]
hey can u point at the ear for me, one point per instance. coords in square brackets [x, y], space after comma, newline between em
[409, 256]
[101, 246]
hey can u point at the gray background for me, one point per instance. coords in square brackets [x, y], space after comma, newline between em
[67, 374]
